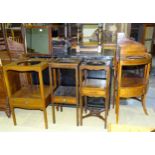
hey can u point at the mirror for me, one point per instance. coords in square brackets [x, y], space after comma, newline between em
[90, 34]
[148, 40]
[38, 40]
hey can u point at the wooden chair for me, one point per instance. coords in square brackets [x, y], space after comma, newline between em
[133, 86]
[30, 96]
[64, 94]
[94, 88]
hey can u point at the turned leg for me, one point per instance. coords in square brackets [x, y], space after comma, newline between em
[45, 118]
[144, 104]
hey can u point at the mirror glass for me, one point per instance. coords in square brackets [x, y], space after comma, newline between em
[37, 40]
[90, 34]
[149, 38]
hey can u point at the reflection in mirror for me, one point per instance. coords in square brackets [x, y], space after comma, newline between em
[90, 34]
[148, 40]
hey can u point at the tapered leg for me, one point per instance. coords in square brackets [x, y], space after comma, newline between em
[61, 108]
[114, 91]
[45, 118]
[53, 113]
[81, 110]
[85, 104]
[77, 115]
[57, 108]
[106, 112]
[7, 111]
[13, 116]
[117, 109]
[144, 104]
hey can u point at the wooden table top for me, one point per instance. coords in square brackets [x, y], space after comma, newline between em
[26, 65]
[65, 63]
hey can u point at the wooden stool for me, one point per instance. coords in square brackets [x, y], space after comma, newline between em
[133, 86]
[64, 94]
[30, 96]
[95, 88]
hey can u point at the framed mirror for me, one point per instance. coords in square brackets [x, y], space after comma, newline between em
[38, 40]
[90, 34]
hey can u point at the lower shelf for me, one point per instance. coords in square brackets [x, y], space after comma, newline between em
[31, 91]
[65, 94]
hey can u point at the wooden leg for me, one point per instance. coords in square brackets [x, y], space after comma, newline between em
[13, 116]
[114, 92]
[45, 118]
[85, 104]
[57, 107]
[53, 113]
[106, 112]
[77, 115]
[144, 104]
[81, 110]
[117, 108]
[7, 111]
[61, 108]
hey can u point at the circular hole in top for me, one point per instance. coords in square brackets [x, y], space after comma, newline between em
[135, 57]
[96, 63]
[28, 63]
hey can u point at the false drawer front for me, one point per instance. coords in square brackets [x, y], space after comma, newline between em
[27, 103]
[132, 91]
[92, 92]
[64, 99]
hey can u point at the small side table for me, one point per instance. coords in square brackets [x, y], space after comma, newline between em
[28, 96]
[64, 94]
[94, 88]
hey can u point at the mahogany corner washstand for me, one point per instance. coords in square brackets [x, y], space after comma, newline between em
[29, 96]
[64, 94]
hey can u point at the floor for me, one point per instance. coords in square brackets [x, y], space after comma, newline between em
[130, 114]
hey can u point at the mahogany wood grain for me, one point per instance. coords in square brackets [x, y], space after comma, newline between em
[129, 87]
[30, 96]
